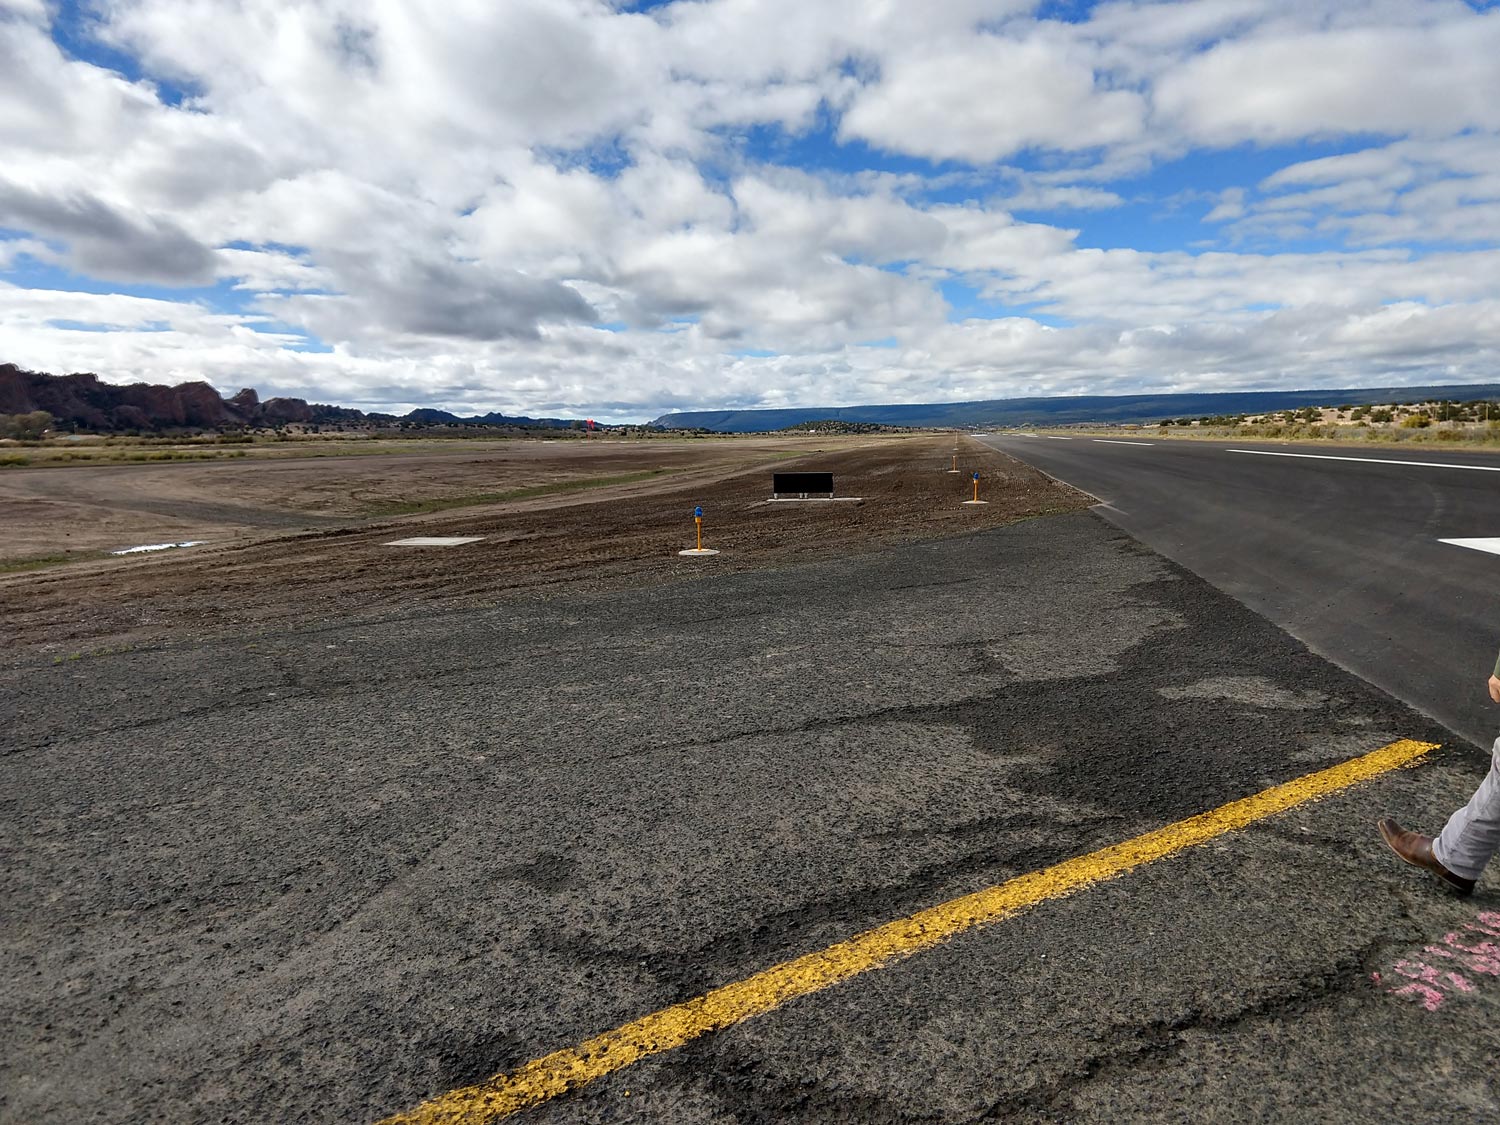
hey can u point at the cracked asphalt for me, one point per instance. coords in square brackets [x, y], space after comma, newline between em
[323, 874]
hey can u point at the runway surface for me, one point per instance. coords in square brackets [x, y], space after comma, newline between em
[326, 874]
[1340, 546]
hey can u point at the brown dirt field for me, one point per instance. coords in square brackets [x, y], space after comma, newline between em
[54, 510]
[625, 534]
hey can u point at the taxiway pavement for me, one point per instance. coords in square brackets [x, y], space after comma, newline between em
[1340, 546]
[325, 874]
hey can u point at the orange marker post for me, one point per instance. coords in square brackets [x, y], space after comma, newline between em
[700, 549]
[976, 499]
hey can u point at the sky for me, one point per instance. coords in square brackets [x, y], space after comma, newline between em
[613, 210]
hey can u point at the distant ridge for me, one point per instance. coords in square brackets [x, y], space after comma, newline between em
[83, 401]
[1067, 410]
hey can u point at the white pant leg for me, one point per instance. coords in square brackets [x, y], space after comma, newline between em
[1472, 834]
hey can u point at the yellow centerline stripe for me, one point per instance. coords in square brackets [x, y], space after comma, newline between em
[572, 1067]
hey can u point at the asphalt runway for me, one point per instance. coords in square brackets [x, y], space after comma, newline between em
[325, 875]
[1343, 554]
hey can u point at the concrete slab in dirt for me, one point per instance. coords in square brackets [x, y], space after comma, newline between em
[325, 874]
[435, 541]
[148, 547]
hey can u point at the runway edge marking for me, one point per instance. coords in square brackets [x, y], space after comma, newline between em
[568, 1069]
[1369, 460]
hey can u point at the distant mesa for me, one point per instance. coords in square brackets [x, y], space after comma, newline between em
[83, 402]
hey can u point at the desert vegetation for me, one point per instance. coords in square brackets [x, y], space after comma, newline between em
[1474, 423]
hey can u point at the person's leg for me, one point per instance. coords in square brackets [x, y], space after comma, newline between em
[1472, 834]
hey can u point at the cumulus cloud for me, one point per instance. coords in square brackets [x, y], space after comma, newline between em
[992, 97]
[577, 206]
[435, 297]
[1426, 80]
[105, 241]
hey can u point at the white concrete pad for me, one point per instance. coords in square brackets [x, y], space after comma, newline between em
[435, 541]
[156, 547]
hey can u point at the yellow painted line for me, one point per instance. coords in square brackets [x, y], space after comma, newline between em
[572, 1067]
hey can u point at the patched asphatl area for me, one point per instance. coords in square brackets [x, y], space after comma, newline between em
[333, 873]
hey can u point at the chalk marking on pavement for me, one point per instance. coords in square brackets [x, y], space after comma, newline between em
[1428, 981]
[1490, 545]
[1112, 441]
[568, 1069]
[1369, 460]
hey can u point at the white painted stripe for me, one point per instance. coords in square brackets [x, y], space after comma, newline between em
[1371, 460]
[1054, 437]
[1490, 545]
[1112, 441]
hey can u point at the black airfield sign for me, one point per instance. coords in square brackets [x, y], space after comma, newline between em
[801, 484]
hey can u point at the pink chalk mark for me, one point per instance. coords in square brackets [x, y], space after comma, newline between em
[1483, 949]
[1475, 963]
[1488, 921]
[1432, 999]
[1482, 958]
[1423, 972]
[1428, 981]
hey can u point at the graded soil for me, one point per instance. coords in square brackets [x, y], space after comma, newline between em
[576, 516]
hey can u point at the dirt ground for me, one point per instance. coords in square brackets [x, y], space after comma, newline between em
[258, 572]
[53, 511]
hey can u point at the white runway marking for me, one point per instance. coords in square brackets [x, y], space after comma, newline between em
[1371, 460]
[1490, 545]
[1055, 437]
[1112, 441]
[435, 541]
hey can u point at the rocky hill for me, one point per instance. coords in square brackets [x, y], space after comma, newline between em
[84, 402]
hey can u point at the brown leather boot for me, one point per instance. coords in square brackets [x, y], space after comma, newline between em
[1417, 851]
